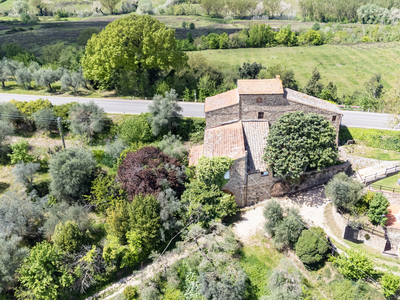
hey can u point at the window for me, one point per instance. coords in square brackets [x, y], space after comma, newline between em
[266, 173]
[259, 100]
[227, 175]
[333, 118]
[261, 115]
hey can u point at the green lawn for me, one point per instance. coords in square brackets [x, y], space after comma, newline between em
[390, 181]
[348, 66]
[364, 151]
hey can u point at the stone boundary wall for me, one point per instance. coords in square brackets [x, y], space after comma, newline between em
[393, 235]
[309, 179]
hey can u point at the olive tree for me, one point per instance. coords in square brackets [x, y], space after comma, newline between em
[71, 172]
[44, 119]
[86, 119]
[24, 173]
[46, 77]
[24, 77]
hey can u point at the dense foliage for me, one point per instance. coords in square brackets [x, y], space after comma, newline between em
[378, 209]
[356, 265]
[212, 170]
[312, 247]
[297, 142]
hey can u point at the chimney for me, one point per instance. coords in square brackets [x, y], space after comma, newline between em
[278, 77]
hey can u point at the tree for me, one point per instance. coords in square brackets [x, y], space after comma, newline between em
[148, 171]
[377, 209]
[374, 86]
[298, 141]
[311, 37]
[329, 92]
[11, 257]
[355, 266]
[144, 44]
[250, 71]
[287, 76]
[6, 130]
[10, 113]
[207, 5]
[110, 5]
[46, 77]
[344, 191]
[63, 212]
[272, 7]
[390, 284]
[212, 170]
[316, 26]
[145, 7]
[392, 103]
[44, 272]
[314, 87]
[273, 213]
[24, 77]
[312, 247]
[20, 6]
[86, 34]
[19, 152]
[71, 172]
[173, 146]
[40, 5]
[289, 230]
[86, 119]
[21, 214]
[67, 237]
[136, 129]
[165, 112]
[113, 151]
[24, 173]
[286, 37]
[7, 69]
[207, 203]
[45, 119]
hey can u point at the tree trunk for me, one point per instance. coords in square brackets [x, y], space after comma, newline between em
[51, 90]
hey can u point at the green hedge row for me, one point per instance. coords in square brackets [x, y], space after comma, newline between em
[376, 138]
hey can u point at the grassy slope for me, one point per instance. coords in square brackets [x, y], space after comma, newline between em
[348, 66]
[375, 153]
[390, 181]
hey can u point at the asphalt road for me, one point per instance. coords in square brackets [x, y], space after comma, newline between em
[190, 109]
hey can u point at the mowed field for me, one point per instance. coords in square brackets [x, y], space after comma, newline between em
[348, 66]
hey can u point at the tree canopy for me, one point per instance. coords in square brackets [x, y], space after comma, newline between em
[298, 141]
[129, 45]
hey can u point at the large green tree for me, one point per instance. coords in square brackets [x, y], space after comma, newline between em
[128, 48]
[298, 141]
[312, 247]
[377, 209]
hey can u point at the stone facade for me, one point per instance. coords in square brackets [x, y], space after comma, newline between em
[223, 115]
[237, 181]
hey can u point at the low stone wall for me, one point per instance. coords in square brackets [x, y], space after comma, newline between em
[393, 235]
[309, 179]
[374, 241]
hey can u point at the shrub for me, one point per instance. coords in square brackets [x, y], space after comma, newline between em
[113, 151]
[273, 213]
[20, 152]
[355, 265]
[184, 24]
[312, 247]
[148, 171]
[86, 119]
[312, 133]
[212, 170]
[130, 293]
[136, 129]
[71, 173]
[28, 108]
[45, 119]
[192, 26]
[24, 173]
[311, 37]
[377, 209]
[67, 237]
[173, 146]
[6, 129]
[390, 283]
[10, 113]
[85, 35]
[191, 129]
[289, 230]
[344, 191]
[316, 27]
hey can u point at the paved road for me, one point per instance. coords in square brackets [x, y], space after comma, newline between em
[190, 109]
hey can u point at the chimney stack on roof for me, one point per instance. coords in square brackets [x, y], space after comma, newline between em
[278, 77]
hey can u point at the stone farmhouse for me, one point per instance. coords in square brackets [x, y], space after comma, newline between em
[237, 124]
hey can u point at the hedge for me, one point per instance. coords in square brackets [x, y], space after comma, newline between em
[376, 138]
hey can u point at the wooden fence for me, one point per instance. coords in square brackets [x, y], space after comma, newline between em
[379, 175]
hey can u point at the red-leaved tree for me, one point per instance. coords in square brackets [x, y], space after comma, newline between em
[148, 171]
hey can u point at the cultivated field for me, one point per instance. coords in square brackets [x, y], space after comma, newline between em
[348, 66]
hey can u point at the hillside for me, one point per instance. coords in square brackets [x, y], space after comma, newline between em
[348, 66]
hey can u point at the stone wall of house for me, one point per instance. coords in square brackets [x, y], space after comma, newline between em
[237, 181]
[309, 179]
[259, 187]
[374, 241]
[224, 115]
[393, 235]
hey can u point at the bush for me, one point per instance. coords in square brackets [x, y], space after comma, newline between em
[45, 119]
[191, 129]
[390, 283]
[192, 26]
[212, 170]
[312, 247]
[20, 152]
[311, 37]
[113, 152]
[355, 265]
[136, 129]
[184, 24]
[28, 108]
[67, 237]
[71, 172]
[24, 174]
[289, 230]
[10, 113]
[344, 191]
[130, 293]
[148, 171]
[273, 213]
[86, 119]
[85, 35]
[173, 146]
[377, 209]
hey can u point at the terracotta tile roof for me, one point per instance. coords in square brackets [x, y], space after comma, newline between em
[260, 86]
[311, 101]
[195, 153]
[226, 140]
[255, 133]
[221, 100]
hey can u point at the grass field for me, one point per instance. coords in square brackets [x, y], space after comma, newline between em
[348, 66]
[364, 151]
[390, 181]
